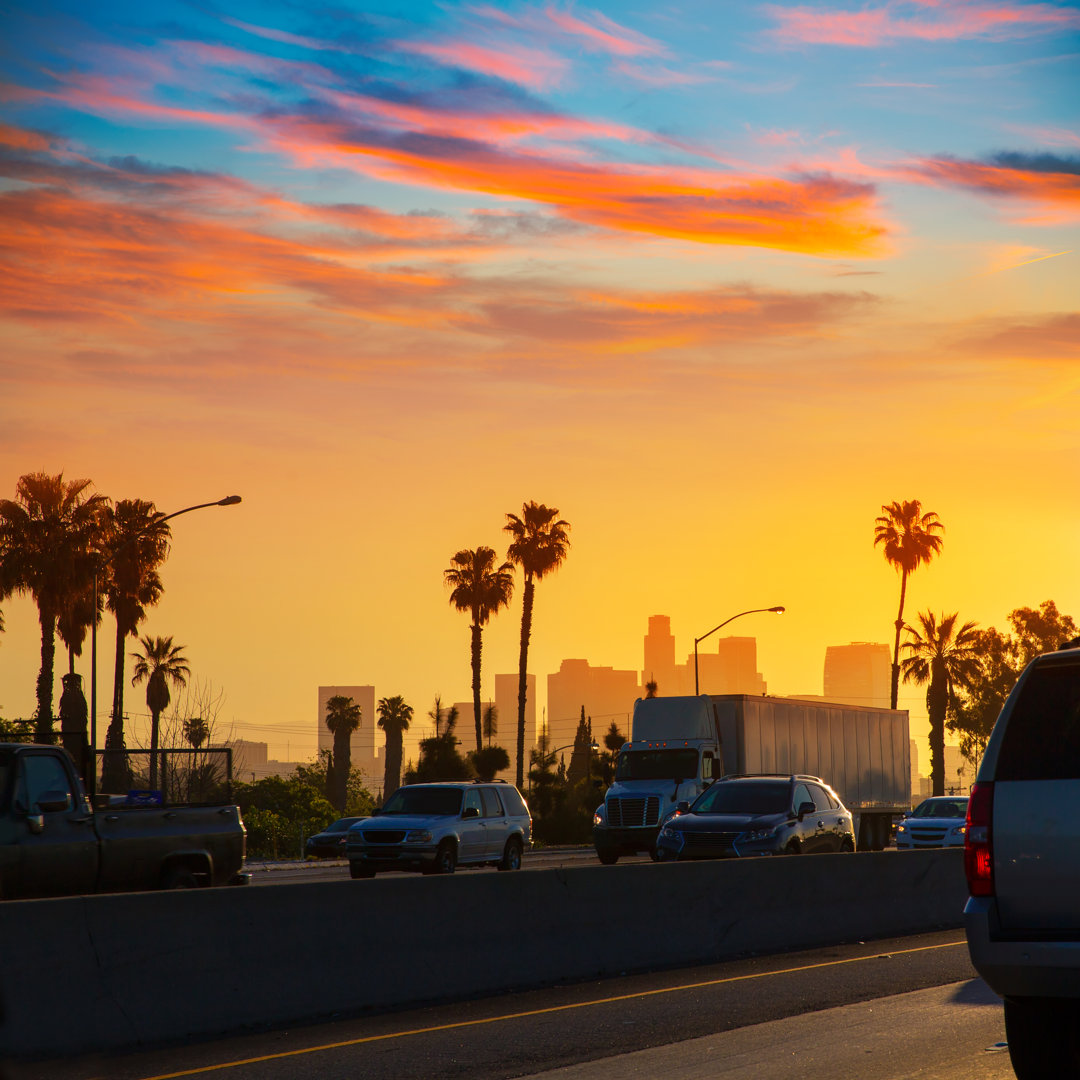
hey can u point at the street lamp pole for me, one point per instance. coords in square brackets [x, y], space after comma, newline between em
[779, 609]
[90, 770]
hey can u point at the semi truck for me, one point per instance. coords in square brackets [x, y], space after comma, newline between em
[679, 745]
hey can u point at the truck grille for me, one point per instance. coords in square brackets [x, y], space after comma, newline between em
[384, 836]
[629, 813]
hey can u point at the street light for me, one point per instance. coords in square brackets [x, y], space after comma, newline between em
[778, 610]
[91, 770]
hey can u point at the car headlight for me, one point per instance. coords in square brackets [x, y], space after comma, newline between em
[958, 830]
[758, 834]
[901, 829]
[417, 836]
[668, 833]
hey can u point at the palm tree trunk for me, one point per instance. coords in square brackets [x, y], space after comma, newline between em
[154, 715]
[476, 645]
[896, 643]
[342, 763]
[115, 773]
[523, 676]
[43, 726]
[936, 706]
[392, 775]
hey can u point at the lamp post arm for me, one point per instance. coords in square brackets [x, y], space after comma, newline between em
[778, 609]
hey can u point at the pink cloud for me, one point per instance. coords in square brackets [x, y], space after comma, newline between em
[604, 34]
[535, 68]
[932, 21]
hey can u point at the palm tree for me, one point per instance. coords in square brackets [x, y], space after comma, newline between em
[46, 535]
[480, 588]
[137, 542]
[539, 546]
[160, 663]
[947, 657]
[394, 717]
[343, 717]
[911, 538]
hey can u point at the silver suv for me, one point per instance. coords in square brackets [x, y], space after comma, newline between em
[1022, 857]
[436, 828]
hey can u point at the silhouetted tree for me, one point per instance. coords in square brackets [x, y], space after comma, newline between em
[343, 717]
[910, 538]
[46, 535]
[651, 688]
[539, 546]
[480, 588]
[160, 663]
[945, 656]
[394, 718]
[489, 760]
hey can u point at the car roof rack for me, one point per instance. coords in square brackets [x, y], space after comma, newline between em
[772, 776]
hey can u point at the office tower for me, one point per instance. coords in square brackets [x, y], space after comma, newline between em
[660, 656]
[858, 674]
[606, 693]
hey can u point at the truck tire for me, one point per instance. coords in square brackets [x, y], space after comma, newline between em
[180, 877]
[1044, 1040]
[511, 858]
[608, 858]
[445, 858]
[359, 870]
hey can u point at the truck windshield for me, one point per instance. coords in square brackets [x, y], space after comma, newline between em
[424, 800]
[754, 797]
[678, 764]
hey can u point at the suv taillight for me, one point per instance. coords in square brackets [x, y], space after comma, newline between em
[978, 845]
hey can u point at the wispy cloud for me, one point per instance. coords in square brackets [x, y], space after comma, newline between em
[919, 20]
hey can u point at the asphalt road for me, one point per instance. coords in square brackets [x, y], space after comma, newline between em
[877, 1010]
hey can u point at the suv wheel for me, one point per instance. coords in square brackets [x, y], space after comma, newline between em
[359, 870]
[511, 859]
[446, 858]
[793, 848]
[1043, 1038]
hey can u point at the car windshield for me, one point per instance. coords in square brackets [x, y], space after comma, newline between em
[342, 825]
[949, 808]
[678, 764]
[424, 800]
[745, 797]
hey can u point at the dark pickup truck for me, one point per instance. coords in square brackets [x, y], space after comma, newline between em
[53, 844]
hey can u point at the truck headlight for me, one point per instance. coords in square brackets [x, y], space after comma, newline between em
[598, 816]
[418, 836]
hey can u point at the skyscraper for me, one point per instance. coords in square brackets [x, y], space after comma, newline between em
[606, 694]
[660, 656]
[858, 674]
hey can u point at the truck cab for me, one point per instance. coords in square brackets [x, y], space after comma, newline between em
[672, 756]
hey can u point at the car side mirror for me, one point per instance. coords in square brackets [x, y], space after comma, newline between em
[52, 802]
[805, 808]
[470, 812]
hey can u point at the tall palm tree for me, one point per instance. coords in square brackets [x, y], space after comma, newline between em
[910, 538]
[539, 546]
[946, 656]
[480, 588]
[46, 535]
[394, 717]
[160, 663]
[343, 717]
[136, 544]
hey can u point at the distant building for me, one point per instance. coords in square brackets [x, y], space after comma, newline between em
[732, 669]
[366, 740]
[251, 761]
[606, 693]
[506, 703]
[859, 674]
[660, 656]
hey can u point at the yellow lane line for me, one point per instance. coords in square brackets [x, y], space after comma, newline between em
[550, 1009]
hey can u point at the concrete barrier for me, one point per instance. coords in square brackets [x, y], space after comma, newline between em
[110, 972]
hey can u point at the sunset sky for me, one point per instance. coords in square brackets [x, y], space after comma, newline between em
[716, 280]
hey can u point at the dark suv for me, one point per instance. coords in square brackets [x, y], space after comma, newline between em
[758, 815]
[1022, 856]
[436, 828]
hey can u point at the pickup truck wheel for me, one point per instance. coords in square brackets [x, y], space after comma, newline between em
[446, 858]
[180, 877]
[511, 859]
[846, 844]
[793, 848]
[655, 854]
[608, 858]
[1044, 1042]
[359, 870]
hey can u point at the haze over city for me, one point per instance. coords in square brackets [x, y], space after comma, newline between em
[717, 281]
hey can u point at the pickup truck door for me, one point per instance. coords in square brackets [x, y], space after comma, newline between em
[61, 859]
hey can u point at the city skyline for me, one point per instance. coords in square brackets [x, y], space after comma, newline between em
[716, 281]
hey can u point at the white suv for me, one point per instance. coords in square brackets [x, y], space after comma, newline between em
[1022, 857]
[436, 828]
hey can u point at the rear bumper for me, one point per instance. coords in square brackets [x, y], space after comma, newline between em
[1017, 967]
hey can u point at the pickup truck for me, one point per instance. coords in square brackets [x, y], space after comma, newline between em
[53, 844]
[1022, 857]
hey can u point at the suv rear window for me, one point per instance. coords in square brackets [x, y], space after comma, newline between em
[1042, 739]
[511, 797]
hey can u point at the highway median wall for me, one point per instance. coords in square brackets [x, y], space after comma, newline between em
[116, 972]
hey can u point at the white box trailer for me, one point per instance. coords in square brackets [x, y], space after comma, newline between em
[864, 754]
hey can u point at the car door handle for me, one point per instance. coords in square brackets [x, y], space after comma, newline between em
[112, 817]
[80, 820]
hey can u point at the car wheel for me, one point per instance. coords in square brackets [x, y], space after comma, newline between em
[511, 859]
[656, 854]
[608, 858]
[1044, 1041]
[180, 877]
[793, 848]
[359, 870]
[445, 858]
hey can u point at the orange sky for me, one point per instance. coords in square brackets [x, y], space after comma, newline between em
[716, 286]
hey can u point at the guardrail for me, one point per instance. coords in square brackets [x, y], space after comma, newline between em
[156, 967]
